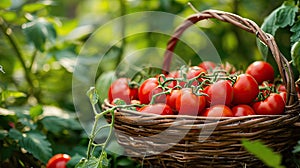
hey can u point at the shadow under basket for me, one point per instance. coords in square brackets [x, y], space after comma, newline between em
[197, 141]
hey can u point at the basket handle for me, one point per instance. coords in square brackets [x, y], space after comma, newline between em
[247, 25]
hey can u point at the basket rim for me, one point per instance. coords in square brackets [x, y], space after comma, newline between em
[136, 113]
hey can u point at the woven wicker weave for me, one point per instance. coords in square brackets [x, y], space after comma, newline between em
[208, 141]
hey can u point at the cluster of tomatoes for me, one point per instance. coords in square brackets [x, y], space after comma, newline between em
[206, 90]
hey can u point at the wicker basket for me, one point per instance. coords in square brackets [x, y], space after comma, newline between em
[208, 141]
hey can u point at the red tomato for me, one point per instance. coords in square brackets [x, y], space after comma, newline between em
[281, 88]
[207, 65]
[149, 88]
[159, 108]
[120, 89]
[245, 89]
[171, 98]
[220, 92]
[272, 105]
[283, 95]
[261, 71]
[192, 72]
[195, 71]
[228, 68]
[173, 75]
[218, 111]
[187, 103]
[242, 110]
[58, 161]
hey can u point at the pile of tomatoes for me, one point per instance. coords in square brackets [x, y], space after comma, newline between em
[205, 90]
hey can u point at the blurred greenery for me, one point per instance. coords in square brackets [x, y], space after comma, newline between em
[40, 41]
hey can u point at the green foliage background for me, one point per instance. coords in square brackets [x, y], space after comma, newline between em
[39, 44]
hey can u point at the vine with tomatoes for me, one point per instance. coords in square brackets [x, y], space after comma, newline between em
[206, 90]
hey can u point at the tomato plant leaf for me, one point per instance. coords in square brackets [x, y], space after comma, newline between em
[91, 163]
[296, 32]
[264, 153]
[93, 95]
[15, 134]
[74, 160]
[36, 144]
[56, 124]
[3, 134]
[103, 83]
[25, 119]
[295, 53]
[269, 25]
[286, 14]
[37, 31]
[279, 18]
[36, 111]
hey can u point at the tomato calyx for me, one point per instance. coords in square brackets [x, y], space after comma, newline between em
[265, 90]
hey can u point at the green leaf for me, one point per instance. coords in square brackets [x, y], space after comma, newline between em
[36, 111]
[103, 83]
[5, 4]
[93, 95]
[67, 58]
[269, 25]
[279, 18]
[80, 33]
[3, 134]
[33, 7]
[297, 148]
[15, 134]
[91, 163]
[295, 53]
[264, 153]
[8, 15]
[286, 14]
[36, 144]
[25, 119]
[296, 32]
[74, 160]
[37, 31]
[8, 94]
[56, 124]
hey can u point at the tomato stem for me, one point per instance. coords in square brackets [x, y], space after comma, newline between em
[96, 130]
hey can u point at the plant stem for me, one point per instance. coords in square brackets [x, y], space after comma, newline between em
[33, 59]
[92, 137]
[8, 33]
[94, 129]
[109, 134]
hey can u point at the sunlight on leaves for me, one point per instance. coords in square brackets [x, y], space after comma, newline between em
[39, 31]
